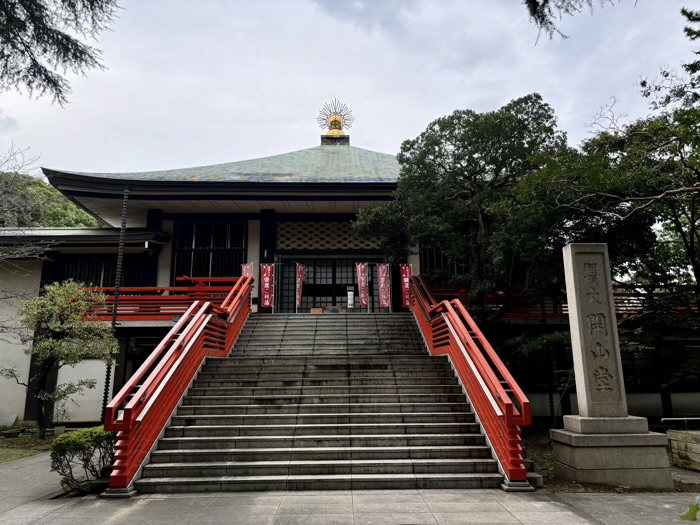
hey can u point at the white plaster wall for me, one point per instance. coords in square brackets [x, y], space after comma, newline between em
[19, 281]
[414, 261]
[253, 251]
[166, 256]
[85, 407]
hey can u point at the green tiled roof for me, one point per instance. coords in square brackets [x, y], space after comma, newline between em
[331, 163]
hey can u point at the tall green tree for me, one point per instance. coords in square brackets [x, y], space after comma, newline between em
[645, 174]
[58, 332]
[40, 40]
[456, 175]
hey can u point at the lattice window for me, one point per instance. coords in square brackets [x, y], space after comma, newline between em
[321, 236]
[326, 284]
[209, 249]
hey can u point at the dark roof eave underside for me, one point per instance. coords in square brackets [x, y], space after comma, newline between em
[110, 236]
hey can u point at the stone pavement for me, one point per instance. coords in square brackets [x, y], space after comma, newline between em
[26, 487]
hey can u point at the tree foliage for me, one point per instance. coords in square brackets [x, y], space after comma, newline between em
[81, 456]
[455, 177]
[58, 333]
[41, 40]
[544, 13]
[30, 202]
[26, 201]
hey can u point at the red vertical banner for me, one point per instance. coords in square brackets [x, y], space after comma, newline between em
[384, 286]
[362, 284]
[406, 273]
[301, 271]
[267, 280]
[247, 270]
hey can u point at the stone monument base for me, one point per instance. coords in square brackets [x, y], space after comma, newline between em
[611, 451]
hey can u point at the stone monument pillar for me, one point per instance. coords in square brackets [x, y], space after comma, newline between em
[603, 444]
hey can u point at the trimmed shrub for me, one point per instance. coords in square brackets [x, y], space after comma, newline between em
[80, 457]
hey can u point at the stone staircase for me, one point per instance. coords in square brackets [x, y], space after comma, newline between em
[308, 402]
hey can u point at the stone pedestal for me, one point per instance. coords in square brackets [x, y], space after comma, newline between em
[603, 444]
[611, 451]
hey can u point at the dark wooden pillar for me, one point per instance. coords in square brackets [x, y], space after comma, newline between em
[268, 245]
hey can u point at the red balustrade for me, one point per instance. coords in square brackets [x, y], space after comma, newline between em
[162, 303]
[629, 300]
[140, 411]
[498, 401]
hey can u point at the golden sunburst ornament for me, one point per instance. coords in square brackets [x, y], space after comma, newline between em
[335, 116]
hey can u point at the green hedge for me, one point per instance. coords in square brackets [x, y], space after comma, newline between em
[80, 457]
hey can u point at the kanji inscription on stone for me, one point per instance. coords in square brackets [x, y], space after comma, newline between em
[597, 364]
[596, 324]
[602, 378]
[600, 351]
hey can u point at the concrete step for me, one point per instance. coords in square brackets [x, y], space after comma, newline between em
[284, 352]
[292, 349]
[319, 364]
[349, 375]
[328, 408]
[321, 454]
[351, 334]
[293, 368]
[330, 340]
[321, 429]
[315, 468]
[303, 359]
[322, 399]
[402, 329]
[365, 440]
[287, 391]
[324, 482]
[361, 317]
[324, 381]
[315, 419]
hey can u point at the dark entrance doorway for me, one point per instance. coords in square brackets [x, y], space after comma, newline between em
[326, 284]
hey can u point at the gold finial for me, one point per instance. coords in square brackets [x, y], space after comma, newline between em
[335, 116]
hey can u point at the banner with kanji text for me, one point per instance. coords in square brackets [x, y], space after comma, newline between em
[362, 283]
[406, 273]
[384, 285]
[301, 270]
[267, 281]
[247, 270]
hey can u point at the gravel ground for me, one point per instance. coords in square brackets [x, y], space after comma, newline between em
[682, 475]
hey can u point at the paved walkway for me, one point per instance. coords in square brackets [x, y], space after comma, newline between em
[26, 487]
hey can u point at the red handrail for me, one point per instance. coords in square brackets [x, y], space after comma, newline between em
[629, 300]
[449, 329]
[160, 303]
[142, 408]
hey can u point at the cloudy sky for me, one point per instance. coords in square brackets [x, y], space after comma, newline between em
[195, 83]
